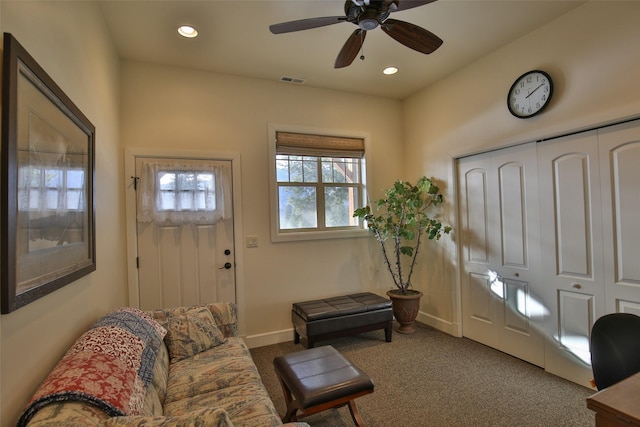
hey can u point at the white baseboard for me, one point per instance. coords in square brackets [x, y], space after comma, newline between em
[269, 338]
[445, 326]
[276, 337]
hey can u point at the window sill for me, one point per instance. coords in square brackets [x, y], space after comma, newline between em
[294, 236]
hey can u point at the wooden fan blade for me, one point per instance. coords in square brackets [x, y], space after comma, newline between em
[305, 24]
[350, 49]
[409, 4]
[412, 36]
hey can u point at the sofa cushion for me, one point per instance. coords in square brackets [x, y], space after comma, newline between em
[248, 405]
[224, 314]
[206, 417]
[212, 370]
[191, 333]
[222, 377]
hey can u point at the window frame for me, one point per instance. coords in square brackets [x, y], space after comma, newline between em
[282, 235]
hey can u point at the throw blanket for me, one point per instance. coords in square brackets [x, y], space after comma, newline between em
[109, 366]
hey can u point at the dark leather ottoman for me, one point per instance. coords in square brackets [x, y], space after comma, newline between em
[340, 316]
[318, 379]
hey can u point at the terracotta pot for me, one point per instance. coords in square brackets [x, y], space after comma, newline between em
[405, 309]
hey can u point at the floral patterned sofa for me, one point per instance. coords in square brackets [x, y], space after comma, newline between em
[184, 366]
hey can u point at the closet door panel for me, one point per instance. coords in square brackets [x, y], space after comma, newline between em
[572, 205]
[480, 302]
[513, 221]
[576, 312]
[476, 215]
[629, 307]
[518, 297]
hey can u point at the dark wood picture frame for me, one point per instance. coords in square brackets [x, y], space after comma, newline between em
[47, 185]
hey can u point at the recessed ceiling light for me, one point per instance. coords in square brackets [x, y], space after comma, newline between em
[187, 31]
[390, 70]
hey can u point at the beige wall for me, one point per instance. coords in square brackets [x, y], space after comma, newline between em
[590, 52]
[167, 108]
[69, 40]
[592, 56]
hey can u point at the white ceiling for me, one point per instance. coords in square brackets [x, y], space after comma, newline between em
[235, 39]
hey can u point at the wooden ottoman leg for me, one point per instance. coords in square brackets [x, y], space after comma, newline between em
[292, 407]
[355, 415]
[296, 336]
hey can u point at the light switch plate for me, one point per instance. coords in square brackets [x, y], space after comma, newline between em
[252, 241]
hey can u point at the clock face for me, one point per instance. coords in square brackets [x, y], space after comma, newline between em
[530, 94]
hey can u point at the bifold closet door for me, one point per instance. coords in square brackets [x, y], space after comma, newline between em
[620, 177]
[498, 200]
[572, 250]
[575, 250]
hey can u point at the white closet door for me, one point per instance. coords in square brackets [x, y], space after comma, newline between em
[620, 176]
[574, 254]
[572, 250]
[499, 208]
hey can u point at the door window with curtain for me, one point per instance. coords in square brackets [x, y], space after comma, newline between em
[319, 182]
[189, 192]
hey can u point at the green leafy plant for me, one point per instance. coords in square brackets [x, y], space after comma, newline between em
[402, 216]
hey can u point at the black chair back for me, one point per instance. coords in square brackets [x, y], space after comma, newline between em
[615, 348]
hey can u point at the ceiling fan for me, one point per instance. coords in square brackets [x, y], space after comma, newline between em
[368, 15]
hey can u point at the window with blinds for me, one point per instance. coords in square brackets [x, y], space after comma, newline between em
[318, 181]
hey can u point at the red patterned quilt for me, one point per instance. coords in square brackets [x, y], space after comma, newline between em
[109, 366]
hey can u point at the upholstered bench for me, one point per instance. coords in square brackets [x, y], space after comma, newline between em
[318, 379]
[340, 316]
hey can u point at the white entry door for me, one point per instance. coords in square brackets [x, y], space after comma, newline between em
[185, 264]
[501, 262]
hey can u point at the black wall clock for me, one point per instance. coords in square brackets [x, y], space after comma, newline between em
[530, 94]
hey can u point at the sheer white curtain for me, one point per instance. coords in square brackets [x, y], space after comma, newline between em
[184, 192]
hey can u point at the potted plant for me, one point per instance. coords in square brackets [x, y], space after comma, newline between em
[400, 221]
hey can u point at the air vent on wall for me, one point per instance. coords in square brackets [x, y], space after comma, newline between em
[292, 80]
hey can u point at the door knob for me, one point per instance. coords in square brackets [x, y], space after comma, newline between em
[227, 266]
[577, 286]
[227, 251]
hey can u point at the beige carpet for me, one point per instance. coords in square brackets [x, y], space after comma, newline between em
[433, 379]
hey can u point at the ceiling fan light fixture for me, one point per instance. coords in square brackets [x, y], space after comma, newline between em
[187, 31]
[390, 70]
[368, 20]
[368, 24]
